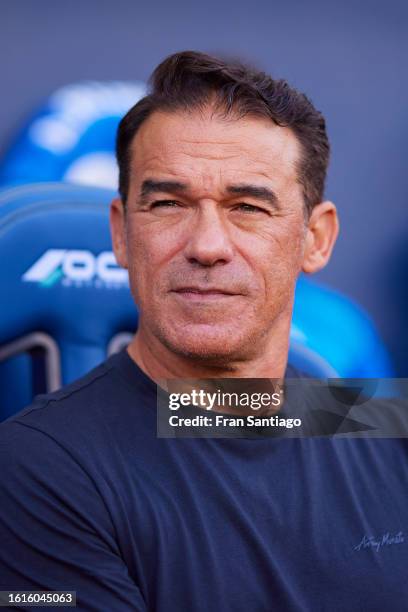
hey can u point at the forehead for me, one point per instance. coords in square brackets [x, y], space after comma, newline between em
[202, 146]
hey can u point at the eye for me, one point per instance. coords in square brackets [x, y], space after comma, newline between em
[250, 208]
[164, 204]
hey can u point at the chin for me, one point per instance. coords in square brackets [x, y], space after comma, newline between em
[210, 344]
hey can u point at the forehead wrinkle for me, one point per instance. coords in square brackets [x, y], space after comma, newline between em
[211, 157]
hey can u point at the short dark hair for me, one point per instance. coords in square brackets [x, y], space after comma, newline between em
[189, 80]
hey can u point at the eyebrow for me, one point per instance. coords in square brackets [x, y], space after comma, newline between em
[254, 191]
[152, 186]
[263, 194]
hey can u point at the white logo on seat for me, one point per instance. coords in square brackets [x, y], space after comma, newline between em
[77, 268]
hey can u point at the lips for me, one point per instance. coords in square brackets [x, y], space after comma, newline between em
[204, 291]
[203, 295]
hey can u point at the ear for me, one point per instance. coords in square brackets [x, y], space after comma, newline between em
[322, 231]
[118, 231]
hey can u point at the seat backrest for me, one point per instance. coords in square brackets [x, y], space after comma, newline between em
[72, 136]
[339, 331]
[59, 277]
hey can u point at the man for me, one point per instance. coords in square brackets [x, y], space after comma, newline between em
[221, 207]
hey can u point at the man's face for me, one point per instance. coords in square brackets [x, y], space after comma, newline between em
[214, 232]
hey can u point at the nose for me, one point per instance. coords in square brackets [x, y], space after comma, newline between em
[209, 242]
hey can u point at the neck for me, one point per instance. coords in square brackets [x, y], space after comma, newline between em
[159, 363]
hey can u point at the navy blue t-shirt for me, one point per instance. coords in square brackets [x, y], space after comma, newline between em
[92, 501]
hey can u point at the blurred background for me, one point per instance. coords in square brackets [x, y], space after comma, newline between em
[350, 58]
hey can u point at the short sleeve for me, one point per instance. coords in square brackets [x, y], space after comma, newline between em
[56, 533]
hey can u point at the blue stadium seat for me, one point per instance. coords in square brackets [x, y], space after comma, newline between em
[339, 331]
[65, 298]
[72, 136]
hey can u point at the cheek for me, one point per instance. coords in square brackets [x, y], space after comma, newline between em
[155, 239]
[148, 251]
[280, 262]
[276, 251]
[139, 254]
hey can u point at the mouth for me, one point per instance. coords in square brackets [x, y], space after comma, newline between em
[203, 294]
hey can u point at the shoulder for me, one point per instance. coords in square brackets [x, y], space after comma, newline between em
[64, 407]
[89, 413]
